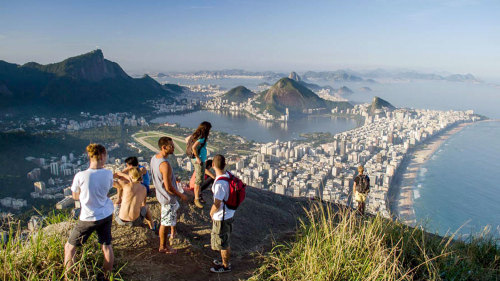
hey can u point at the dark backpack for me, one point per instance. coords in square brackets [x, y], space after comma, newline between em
[237, 191]
[189, 147]
[364, 184]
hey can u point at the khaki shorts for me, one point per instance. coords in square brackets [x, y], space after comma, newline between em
[199, 170]
[360, 197]
[221, 234]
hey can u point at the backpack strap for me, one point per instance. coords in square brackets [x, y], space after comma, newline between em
[224, 178]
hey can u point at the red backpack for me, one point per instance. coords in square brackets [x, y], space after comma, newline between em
[237, 191]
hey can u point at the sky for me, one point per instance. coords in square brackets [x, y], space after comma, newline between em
[460, 36]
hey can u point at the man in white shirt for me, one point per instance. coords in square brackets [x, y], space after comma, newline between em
[222, 217]
[91, 187]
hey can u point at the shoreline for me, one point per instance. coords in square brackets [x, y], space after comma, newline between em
[401, 203]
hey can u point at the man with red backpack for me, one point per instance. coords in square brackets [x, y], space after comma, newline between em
[229, 192]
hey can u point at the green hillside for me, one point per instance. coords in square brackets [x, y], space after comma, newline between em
[288, 93]
[83, 83]
[238, 94]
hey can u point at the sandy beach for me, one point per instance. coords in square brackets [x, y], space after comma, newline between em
[402, 207]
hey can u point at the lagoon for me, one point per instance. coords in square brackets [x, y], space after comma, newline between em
[260, 131]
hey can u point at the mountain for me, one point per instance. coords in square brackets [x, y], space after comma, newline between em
[288, 93]
[415, 75]
[238, 94]
[379, 103]
[294, 76]
[88, 82]
[338, 75]
[344, 91]
[365, 89]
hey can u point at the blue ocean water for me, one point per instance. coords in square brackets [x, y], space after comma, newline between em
[458, 189]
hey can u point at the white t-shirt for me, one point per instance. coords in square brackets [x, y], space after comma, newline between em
[93, 185]
[220, 188]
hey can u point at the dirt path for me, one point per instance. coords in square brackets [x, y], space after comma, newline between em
[262, 218]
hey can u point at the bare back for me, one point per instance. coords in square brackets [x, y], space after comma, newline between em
[132, 199]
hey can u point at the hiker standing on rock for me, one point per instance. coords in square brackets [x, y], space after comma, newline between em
[361, 189]
[197, 150]
[91, 188]
[229, 192]
[163, 179]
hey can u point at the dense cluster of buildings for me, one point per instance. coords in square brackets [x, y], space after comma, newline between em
[175, 107]
[327, 171]
[62, 124]
[248, 107]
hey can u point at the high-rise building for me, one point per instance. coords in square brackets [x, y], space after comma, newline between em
[54, 168]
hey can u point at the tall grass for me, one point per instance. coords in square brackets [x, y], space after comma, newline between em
[40, 256]
[338, 245]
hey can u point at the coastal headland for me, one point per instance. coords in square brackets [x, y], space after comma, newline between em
[404, 184]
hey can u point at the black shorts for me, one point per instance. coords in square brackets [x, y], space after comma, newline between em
[83, 229]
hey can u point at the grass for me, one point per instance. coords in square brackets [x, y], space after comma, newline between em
[339, 245]
[39, 256]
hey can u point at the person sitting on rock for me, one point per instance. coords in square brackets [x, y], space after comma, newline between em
[133, 209]
[132, 162]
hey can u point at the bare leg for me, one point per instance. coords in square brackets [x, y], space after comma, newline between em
[163, 238]
[172, 232]
[149, 219]
[196, 191]
[225, 254]
[69, 256]
[109, 258]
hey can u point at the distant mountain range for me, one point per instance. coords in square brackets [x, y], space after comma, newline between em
[238, 94]
[288, 93]
[342, 75]
[342, 91]
[415, 75]
[88, 82]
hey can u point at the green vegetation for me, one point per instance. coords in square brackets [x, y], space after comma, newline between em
[288, 93]
[75, 84]
[40, 256]
[238, 94]
[339, 245]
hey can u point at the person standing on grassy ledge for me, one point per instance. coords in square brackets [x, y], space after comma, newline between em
[361, 189]
[166, 192]
[222, 217]
[91, 187]
[197, 150]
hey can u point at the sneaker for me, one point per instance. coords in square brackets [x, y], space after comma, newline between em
[198, 204]
[220, 269]
[218, 262]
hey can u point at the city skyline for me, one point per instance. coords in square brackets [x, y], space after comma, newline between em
[452, 36]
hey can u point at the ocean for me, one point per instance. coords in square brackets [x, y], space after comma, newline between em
[458, 188]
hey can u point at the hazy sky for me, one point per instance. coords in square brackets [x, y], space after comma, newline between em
[456, 36]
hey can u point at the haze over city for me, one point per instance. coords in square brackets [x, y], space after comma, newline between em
[452, 36]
